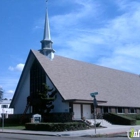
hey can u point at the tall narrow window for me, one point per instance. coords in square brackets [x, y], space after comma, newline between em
[37, 78]
[105, 109]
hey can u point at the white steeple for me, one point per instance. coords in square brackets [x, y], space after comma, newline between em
[47, 35]
[46, 48]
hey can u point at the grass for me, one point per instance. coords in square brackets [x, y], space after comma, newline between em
[137, 122]
[13, 126]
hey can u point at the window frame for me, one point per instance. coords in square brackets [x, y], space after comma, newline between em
[120, 110]
[4, 106]
[132, 112]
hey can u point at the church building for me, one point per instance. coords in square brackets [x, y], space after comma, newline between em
[73, 81]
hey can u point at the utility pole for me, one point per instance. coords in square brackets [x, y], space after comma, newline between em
[2, 119]
[94, 104]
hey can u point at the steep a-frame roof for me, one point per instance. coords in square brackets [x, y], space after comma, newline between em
[76, 80]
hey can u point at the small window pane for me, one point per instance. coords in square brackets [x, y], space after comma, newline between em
[132, 110]
[4, 106]
[120, 110]
[105, 109]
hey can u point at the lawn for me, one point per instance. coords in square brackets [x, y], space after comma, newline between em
[137, 122]
[15, 127]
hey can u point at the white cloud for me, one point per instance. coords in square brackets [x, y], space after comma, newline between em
[75, 17]
[92, 31]
[115, 44]
[18, 67]
[122, 63]
[123, 37]
[10, 92]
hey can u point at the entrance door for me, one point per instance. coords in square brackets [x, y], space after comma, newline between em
[87, 111]
[77, 111]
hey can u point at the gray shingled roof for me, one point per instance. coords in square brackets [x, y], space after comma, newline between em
[76, 80]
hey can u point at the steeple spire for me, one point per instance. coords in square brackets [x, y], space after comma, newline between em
[46, 48]
[47, 35]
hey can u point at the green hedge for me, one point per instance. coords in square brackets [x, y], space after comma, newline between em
[133, 116]
[14, 121]
[119, 119]
[49, 117]
[55, 126]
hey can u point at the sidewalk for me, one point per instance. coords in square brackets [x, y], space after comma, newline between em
[111, 130]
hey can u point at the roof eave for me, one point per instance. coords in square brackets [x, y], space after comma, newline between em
[83, 101]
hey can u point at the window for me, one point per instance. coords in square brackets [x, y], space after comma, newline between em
[37, 78]
[4, 106]
[132, 110]
[109, 109]
[120, 110]
[105, 110]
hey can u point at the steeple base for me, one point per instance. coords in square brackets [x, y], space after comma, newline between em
[48, 52]
[46, 44]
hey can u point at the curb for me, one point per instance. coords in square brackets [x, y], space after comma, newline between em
[64, 135]
[105, 135]
[28, 133]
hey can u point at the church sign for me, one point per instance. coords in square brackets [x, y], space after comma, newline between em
[37, 118]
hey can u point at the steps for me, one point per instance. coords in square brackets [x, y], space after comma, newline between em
[102, 121]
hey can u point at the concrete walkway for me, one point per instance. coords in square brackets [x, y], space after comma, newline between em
[102, 122]
[110, 130]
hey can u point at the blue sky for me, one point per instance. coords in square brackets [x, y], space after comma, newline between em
[102, 32]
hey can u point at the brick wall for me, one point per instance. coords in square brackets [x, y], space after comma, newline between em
[126, 110]
[113, 109]
[98, 110]
[137, 110]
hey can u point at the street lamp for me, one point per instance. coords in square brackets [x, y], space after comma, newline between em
[93, 95]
